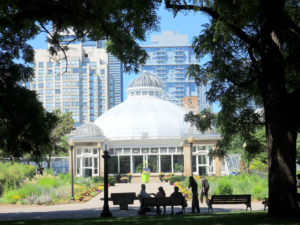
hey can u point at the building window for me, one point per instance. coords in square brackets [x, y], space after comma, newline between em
[75, 84]
[65, 62]
[166, 163]
[41, 72]
[66, 90]
[75, 77]
[84, 104]
[40, 78]
[33, 86]
[49, 78]
[178, 163]
[57, 70]
[57, 91]
[49, 71]
[84, 97]
[57, 104]
[84, 84]
[144, 92]
[66, 97]
[111, 81]
[84, 64]
[49, 98]
[84, 91]
[66, 104]
[49, 64]
[83, 70]
[102, 71]
[93, 64]
[66, 77]
[84, 77]
[49, 92]
[57, 64]
[75, 70]
[111, 100]
[57, 85]
[49, 85]
[75, 90]
[40, 92]
[41, 85]
[138, 93]
[57, 98]
[151, 93]
[111, 93]
[75, 104]
[41, 99]
[49, 105]
[66, 84]
[75, 97]
[41, 65]
[57, 78]
[75, 63]
[66, 70]
[93, 71]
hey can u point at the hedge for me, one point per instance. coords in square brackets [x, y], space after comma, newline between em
[174, 179]
[111, 180]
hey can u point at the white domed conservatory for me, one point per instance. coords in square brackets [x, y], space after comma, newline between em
[144, 128]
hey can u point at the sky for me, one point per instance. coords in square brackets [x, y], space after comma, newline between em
[190, 24]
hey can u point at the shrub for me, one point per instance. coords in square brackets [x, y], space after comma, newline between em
[111, 180]
[225, 187]
[48, 182]
[174, 179]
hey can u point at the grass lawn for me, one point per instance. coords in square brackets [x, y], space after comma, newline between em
[235, 218]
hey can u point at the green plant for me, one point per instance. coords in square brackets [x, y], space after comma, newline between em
[48, 182]
[174, 179]
[161, 174]
[111, 180]
[177, 168]
[225, 187]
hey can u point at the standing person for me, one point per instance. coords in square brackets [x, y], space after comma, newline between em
[195, 203]
[204, 190]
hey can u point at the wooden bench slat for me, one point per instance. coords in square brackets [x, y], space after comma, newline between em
[230, 199]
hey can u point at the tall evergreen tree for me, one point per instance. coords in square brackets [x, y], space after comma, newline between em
[254, 49]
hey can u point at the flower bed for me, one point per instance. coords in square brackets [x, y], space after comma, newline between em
[48, 189]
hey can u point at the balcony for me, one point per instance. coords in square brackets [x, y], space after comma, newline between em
[161, 69]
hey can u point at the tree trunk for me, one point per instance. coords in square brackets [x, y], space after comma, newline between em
[280, 119]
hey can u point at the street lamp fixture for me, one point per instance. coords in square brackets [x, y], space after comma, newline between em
[191, 141]
[244, 146]
[181, 145]
[72, 144]
[99, 148]
[106, 156]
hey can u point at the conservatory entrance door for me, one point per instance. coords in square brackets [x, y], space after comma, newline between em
[86, 172]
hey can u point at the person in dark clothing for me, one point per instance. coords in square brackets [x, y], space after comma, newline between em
[204, 190]
[195, 202]
[176, 193]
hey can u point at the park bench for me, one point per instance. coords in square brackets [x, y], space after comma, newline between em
[266, 202]
[122, 199]
[230, 199]
[160, 201]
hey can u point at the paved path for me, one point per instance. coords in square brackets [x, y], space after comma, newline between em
[94, 207]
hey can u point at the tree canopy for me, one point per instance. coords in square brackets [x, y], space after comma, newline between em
[254, 49]
[24, 124]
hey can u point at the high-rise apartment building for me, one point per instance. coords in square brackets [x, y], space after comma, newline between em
[170, 56]
[91, 82]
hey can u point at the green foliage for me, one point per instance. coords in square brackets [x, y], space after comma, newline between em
[11, 174]
[225, 187]
[48, 182]
[111, 180]
[174, 179]
[177, 168]
[256, 164]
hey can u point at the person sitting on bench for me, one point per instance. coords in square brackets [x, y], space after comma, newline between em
[144, 194]
[161, 194]
[176, 193]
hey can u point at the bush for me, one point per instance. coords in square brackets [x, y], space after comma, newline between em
[48, 182]
[225, 187]
[111, 180]
[174, 179]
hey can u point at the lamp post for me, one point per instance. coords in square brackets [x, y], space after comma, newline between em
[99, 148]
[244, 146]
[191, 141]
[105, 212]
[181, 145]
[71, 144]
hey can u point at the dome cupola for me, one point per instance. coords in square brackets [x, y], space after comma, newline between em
[145, 85]
[88, 129]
